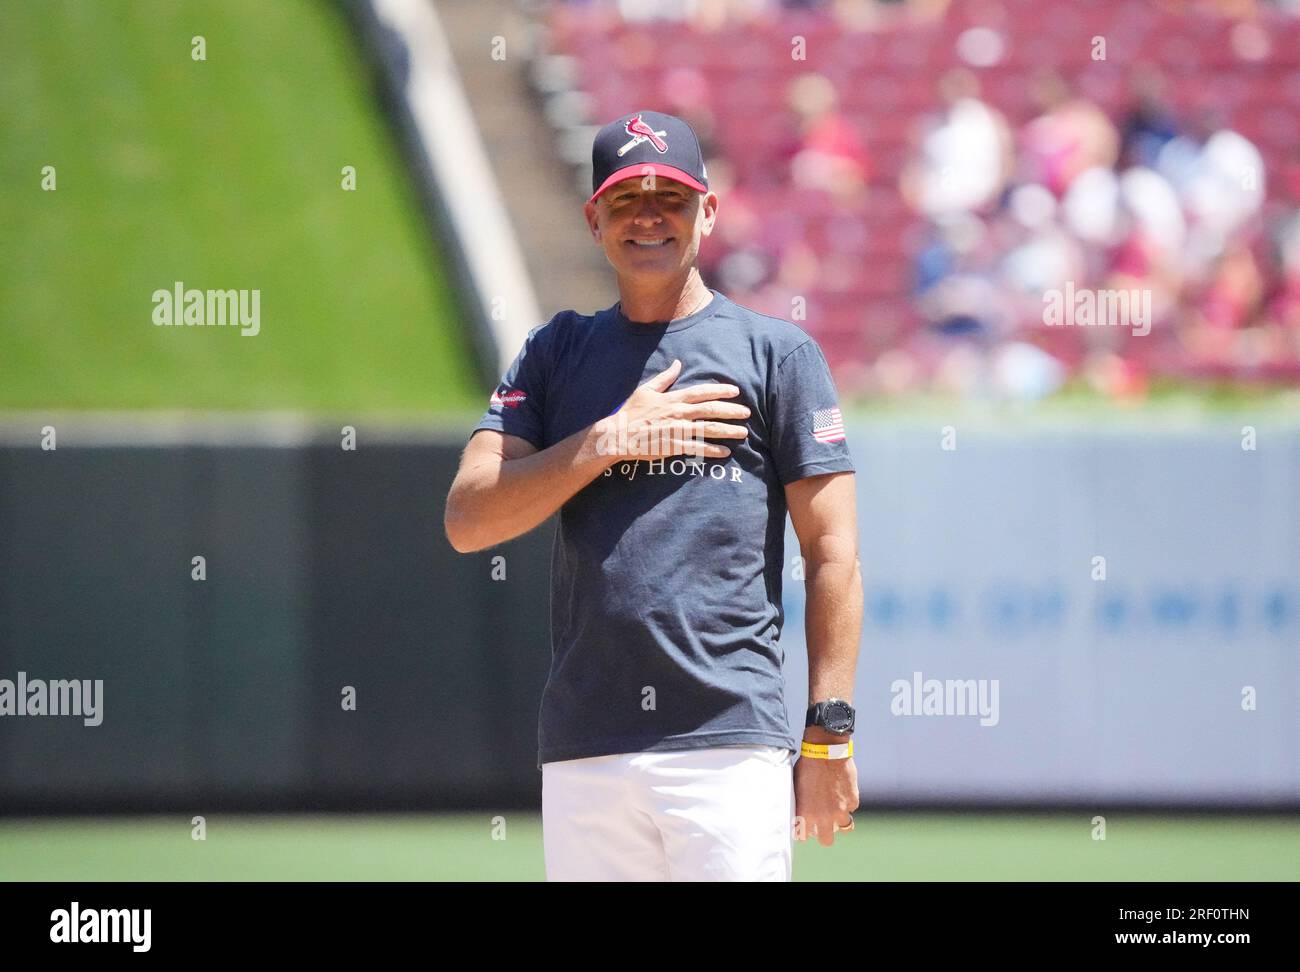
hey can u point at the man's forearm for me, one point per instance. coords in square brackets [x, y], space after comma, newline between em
[493, 502]
[833, 625]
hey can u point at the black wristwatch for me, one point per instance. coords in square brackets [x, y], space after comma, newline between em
[834, 715]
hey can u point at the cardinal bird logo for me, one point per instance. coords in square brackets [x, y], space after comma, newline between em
[641, 132]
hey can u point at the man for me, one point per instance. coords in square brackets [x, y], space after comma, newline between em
[672, 432]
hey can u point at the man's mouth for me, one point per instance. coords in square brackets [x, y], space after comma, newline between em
[657, 241]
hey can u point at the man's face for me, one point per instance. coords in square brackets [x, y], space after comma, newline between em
[651, 226]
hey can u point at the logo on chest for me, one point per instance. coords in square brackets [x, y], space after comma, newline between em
[682, 466]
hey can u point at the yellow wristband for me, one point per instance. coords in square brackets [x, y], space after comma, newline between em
[836, 751]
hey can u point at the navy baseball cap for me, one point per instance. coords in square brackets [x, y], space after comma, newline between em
[646, 142]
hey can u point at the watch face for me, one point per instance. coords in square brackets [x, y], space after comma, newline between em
[838, 717]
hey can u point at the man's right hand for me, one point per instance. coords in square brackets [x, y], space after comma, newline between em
[655, 422]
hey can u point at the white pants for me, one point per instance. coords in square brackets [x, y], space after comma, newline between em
[724, 813]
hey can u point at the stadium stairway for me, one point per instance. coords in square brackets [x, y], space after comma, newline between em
[566, 266]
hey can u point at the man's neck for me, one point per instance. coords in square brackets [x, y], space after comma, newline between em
[652, 302]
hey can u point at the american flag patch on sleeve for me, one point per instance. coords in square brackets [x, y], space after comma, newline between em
[828, 425]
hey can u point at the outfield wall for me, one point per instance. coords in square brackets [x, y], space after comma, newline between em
[978, 565]
[328, 568]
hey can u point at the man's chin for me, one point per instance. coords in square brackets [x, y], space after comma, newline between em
[668, 275]
[669, 260]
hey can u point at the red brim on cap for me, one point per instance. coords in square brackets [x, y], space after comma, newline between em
[658, 170]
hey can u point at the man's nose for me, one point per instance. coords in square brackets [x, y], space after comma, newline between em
[648, 210]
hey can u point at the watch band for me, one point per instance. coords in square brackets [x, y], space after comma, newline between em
[832, 751]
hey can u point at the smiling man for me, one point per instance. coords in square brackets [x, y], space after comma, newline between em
[672, 433]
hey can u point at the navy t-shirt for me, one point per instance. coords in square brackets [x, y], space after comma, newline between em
[666, 574]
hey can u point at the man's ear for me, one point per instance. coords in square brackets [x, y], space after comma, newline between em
[710, 205]
[589, 211]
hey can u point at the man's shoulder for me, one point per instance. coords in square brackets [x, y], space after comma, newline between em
[556, 337]
[777, 333]
[564, 323]
[569, 316]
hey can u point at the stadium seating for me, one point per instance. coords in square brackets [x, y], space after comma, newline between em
[886, 80]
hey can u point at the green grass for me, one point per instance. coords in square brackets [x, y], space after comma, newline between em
[884, 846]
[223, 174]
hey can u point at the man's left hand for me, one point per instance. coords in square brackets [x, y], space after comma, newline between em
[825, 791]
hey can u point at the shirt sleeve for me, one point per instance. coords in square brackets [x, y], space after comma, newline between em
[517, 404]
[807, 428]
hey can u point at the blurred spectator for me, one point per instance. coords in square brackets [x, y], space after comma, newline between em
[830, 153]
[965, 153]
[1091, 208]
[685, 92]
[1224, 190]
[1111, 375]
[702, 14]
[1149, 125]
[640, 11]
[1227, 302]
[1023, 372]
[713, 14]
[1071, 136]
[1044, 256]
[1154, 214]
[1285, 307]
[1233, 293]
[956, 289]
